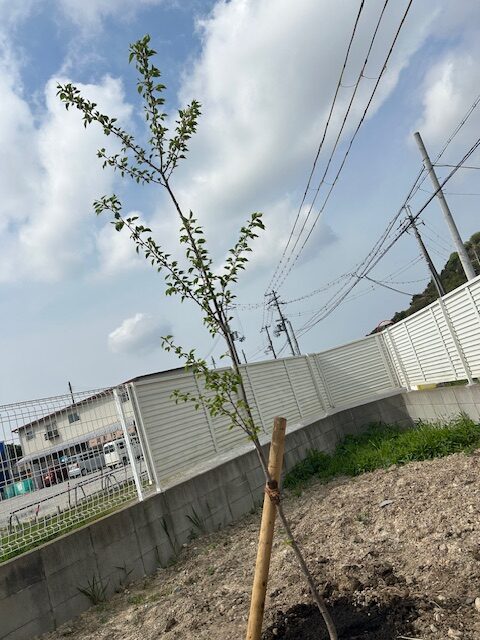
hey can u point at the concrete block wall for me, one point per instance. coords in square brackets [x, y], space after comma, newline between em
[444, 403]
[40, 589]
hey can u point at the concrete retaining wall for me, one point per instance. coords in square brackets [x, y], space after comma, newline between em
[40, 589]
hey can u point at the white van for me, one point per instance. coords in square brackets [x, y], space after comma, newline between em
[86, 462]
[116, 453]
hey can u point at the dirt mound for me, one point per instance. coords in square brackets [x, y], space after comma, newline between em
[396, 552]
[373, 622]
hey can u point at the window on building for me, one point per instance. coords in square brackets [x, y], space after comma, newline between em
[51, 431]
[73, 417]
[29, 434]
[123, 394]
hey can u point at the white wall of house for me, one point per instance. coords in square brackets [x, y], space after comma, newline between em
[72, 422]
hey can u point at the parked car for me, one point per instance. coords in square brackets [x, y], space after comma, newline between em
[82, 463]
[55, 474]
[115, 452]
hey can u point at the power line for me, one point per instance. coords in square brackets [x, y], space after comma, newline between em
[320, 146]
[452, 165]
[340, 296]
[347, 152]
[332, 152]
[382, 284]
[452, 193]
[455, 132]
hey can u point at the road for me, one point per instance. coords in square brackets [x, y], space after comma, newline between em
[50, 499]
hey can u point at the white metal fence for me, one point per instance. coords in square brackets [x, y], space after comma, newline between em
[298, 388]
[68, 459]
[63, 461]
[440, 343]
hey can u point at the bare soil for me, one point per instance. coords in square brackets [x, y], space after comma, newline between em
[396, 552]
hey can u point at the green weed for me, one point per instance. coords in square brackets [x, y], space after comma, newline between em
[382, 446]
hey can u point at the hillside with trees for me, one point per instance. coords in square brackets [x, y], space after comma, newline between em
[452, 276]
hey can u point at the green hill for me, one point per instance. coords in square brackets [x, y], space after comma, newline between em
[452, 276]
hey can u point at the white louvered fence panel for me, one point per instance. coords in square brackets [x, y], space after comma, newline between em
[437, 344]
[440, 343]
[355, 371]
[463, 308]
[178, 435]
[304, 388]
[273, 391]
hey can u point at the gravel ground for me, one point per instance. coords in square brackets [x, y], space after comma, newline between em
[400, 547]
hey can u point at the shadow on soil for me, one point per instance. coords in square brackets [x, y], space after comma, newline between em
[303, 622]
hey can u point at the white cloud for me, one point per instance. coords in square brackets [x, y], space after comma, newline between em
[278, 222]
[449, 89]
[265, 79]
[90, 14]
[453, 80]
[116, 250]
[138, 335]
[50, 179]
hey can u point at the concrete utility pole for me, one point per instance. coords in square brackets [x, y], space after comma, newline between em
[270, 342]
[426, 255]
[283, 323]
[295, 342]
[71, 392]
[457, 240]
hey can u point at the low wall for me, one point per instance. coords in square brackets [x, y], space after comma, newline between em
[40, 589]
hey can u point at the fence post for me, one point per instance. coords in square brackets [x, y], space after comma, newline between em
[398, 359]
[300, 413]
[393, 379]
[123, 422]
[414, 351]
[257, 405]
[456, 342]
[330, 401]
[208, 417]
[315, 382]
[151, 470]
[475, 308]
[439, 331]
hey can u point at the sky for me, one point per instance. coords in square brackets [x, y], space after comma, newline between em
[77, 304]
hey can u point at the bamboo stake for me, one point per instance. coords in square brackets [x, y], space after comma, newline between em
[262, 566]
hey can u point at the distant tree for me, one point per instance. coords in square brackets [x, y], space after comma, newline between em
[452, 276]
[195, 279]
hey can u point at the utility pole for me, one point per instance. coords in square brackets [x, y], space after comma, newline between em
[282, 322]
[270, 342]
[295, 342]
[71, 392]
[457, 240]
[426, 255]
[231, 336]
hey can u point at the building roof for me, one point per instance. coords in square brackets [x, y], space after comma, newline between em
[102, 392]
[67, 407]
[116, 426]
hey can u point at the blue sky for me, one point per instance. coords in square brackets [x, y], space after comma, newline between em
[76, 304]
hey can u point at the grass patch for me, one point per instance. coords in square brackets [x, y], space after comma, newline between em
[382, 446]
[30, 534]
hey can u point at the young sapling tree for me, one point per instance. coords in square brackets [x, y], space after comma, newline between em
[195, 279]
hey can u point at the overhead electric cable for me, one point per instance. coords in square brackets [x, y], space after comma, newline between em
[338, 298]
[337, 140]
[347, 152]
[320, 146]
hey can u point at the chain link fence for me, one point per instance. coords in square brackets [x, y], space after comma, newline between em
[65, 461]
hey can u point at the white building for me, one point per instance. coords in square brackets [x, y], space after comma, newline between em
[81, 426]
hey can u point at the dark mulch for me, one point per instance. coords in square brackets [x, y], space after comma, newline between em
[373, 622]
